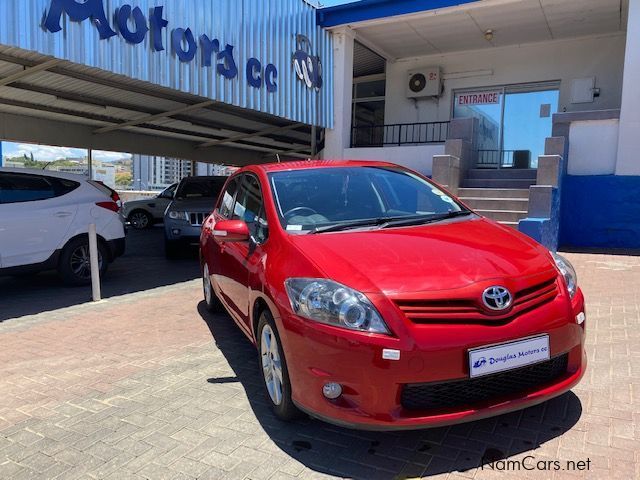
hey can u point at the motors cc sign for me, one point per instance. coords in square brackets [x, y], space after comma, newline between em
[131, 23]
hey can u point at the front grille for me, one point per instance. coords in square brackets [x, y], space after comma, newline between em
[197, 219]
[471, 310]
[513, 383]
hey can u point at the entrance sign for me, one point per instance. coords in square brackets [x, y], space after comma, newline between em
[479, 98]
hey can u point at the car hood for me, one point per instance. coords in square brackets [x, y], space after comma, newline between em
[445, 255]
[204, 205]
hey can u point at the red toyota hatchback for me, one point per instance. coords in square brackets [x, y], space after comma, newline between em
[379, 301]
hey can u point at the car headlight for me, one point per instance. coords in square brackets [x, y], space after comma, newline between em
[176, 215]
[329, 302]
[568, 273]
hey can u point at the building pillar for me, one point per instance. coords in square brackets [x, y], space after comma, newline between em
[339, 137]
[628, 161]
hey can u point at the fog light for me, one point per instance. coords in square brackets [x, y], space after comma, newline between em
[332, 390]
[176, 231]
[580, 318]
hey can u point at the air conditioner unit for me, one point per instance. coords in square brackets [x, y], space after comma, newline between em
[426, 82]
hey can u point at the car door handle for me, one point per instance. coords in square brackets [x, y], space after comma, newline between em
[63, 214]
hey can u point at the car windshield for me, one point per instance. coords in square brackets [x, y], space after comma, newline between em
[339, 198]
[200, 188]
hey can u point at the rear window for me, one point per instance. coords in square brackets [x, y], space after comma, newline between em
[21, 187]
[204, 187]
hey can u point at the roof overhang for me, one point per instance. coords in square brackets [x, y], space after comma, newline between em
[56, 102]
[366, 10]
[410, 28]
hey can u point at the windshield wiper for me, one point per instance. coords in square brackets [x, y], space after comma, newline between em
[367, 222]
[386, 222]
[424, 219]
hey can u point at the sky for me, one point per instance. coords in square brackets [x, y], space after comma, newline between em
[48, 154]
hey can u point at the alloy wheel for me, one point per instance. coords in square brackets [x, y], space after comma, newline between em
[139, 220]
[81, 262]
[271, 364]
[206, 283]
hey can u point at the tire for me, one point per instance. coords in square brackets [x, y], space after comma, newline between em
[268, 360]
[140, 220]
[74, 266]
[171, 249]
[210, 298]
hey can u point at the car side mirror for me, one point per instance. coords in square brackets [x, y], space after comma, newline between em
[231, 231]
[167, 195]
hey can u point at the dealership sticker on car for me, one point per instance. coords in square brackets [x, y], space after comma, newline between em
[507, 356]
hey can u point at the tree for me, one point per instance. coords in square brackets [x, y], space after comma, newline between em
[124, 179]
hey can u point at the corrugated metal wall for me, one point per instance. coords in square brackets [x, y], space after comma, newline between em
[264, 29]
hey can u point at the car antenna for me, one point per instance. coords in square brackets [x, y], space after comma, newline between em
[278, 157]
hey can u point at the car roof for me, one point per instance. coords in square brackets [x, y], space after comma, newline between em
[309, 164]
[49, 173]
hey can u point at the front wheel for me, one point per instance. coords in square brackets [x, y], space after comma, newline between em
[275, 375]
[140, 220]
[74, 266]
[210, 298]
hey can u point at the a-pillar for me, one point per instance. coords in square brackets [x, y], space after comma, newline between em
[338, 138]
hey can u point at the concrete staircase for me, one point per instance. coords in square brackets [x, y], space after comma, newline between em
[502, 195]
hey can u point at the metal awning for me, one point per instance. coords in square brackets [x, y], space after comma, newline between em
[55, 102]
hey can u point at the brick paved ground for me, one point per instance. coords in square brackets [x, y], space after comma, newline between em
[150, 386]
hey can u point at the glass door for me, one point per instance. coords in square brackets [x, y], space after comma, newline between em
[528, 121]
[513, 122]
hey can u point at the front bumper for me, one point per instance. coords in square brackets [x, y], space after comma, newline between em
[372, 387]
[180, 230]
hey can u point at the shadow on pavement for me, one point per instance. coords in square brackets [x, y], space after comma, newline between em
[142, 267]
[390, 455]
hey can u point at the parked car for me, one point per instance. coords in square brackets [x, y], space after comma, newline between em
[183, 219]
[144, 213]
[45, 219]
[377, 300]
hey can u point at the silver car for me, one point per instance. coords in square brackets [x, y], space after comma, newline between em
[141, 214]
[193, 202]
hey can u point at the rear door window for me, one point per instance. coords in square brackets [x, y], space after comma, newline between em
[20, 187]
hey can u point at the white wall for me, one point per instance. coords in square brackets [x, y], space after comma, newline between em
[339, 137]
[602, 57]
[416, 157]
[593, 147]
[629, 139]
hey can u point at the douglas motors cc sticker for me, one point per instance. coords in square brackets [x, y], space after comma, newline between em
[308, 67]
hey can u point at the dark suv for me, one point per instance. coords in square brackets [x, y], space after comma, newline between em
[193, 202]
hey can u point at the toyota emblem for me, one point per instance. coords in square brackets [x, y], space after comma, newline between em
[497, 298]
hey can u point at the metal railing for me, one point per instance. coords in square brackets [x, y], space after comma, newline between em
[399, 134]
[504, 159]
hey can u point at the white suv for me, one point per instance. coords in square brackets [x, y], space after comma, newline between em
[44, 220]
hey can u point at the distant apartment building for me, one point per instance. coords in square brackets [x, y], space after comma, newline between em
[157, 173]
